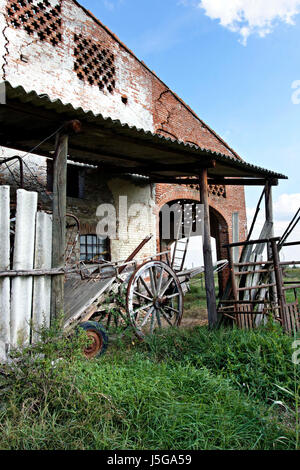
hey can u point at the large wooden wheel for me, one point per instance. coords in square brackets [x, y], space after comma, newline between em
[154, 298]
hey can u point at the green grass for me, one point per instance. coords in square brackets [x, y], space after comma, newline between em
[292, 275]
[196, 389]
[195, 299]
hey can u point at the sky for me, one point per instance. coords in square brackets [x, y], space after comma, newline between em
[237, 64]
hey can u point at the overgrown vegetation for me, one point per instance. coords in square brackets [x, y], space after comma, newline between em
[195, 389]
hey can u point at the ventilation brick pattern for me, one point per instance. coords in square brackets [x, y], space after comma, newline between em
[218, 190]
[94, 64]
[39, 18]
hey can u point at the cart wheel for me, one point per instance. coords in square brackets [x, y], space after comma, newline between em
[154, 298]
[97, 333]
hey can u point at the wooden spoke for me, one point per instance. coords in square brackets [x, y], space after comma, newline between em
[160, 280]
[171, 308]
[154, 298]
[143, 307]
[166, 317]
[146, 287]
[153, 283]
[152, 323]
[166, 286]
[147, 317]
[142, 296]
[172, 296]
[158, 319]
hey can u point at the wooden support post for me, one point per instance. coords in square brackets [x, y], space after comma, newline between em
[232, 274]
[59, 222]
[279, 278]
[207, 253]
[270, 220]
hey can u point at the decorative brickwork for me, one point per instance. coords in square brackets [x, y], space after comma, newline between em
[94, 64]
[217, 190]
[41, 19]
[122, 87]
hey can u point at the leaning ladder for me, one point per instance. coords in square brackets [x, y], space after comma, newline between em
[180, 250]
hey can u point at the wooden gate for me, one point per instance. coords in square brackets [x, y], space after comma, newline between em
[25, 269]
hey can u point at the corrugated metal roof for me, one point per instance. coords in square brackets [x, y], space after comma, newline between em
[166, 144]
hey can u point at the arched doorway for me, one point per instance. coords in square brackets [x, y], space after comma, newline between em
[219, 234]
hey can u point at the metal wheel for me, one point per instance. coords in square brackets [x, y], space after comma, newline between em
[99, 340]
[154, 298]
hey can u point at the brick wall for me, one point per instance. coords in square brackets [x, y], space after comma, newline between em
[58, 48]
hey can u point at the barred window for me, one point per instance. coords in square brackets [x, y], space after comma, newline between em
[94, 248]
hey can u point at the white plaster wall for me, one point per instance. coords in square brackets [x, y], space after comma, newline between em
[139, 226]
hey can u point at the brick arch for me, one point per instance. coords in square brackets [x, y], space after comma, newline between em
[220, 231]
[166, 193]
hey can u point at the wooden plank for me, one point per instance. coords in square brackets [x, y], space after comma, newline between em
[59, 222]
[207, 254]
[4, 264]
[259, 286]
[80, 295]
[32, 272]
[42, 285]
[278, 276]
[21, 291]
[250, 242]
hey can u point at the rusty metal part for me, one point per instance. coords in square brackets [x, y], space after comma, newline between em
[73, 126]
[16, 157]
[135, 252]
[95, 346]
[154, 298]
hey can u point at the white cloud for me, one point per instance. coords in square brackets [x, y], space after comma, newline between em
[248, 17]
[286, 206]
[112, 4]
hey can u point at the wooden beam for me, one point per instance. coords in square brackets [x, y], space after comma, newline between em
[216, 181]
[207, 254]
[250, 242]
[59, 222]
[32, 272]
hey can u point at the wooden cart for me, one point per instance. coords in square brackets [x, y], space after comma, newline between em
[152, 293]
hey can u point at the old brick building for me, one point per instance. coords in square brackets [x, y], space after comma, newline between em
[58, 48]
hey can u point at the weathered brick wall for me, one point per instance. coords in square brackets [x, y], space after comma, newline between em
[100, 188]
[55, 47]
[174, 119]
[46, 68]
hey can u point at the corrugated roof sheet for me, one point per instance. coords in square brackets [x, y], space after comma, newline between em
[123, 129]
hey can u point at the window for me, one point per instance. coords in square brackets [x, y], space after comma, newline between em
[75, 180]
[94, 248]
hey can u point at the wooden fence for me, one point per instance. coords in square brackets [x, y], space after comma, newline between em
[25, 257]
[257, 288]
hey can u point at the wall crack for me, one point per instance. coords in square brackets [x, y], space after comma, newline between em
[170, 113]
[6, 51]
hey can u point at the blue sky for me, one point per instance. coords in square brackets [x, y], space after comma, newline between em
[236, 75]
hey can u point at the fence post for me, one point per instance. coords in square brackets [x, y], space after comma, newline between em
[59, 222]
[42, 284]
[279, 278]
[21, 291]
[4, 266]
